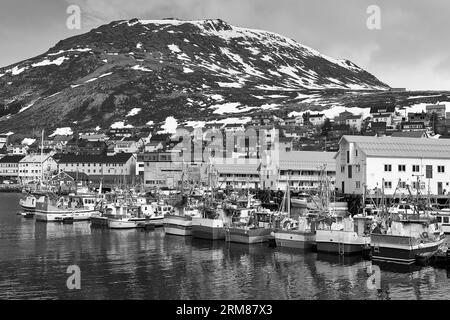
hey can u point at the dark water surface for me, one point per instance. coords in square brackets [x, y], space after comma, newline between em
[133, 264]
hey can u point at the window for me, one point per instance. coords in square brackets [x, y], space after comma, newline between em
[415, 168]
[439, 219]
[401, 168]
[387, 167]
[358, 184]
[350, 175]
[358, 168]
[445, 219]
[342, 168]
[348, 156]
[441, 169]
[429, 172]
[388, 184]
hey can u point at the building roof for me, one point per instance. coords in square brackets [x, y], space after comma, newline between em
[356, 116]
[35, 158]
[237, 168]
[12, 159]
[382, 109]
[307, 160]
[378, 125]
[401, 147]
[117, 158]
[410, 134]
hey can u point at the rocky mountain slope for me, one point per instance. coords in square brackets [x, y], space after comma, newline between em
[140, 72]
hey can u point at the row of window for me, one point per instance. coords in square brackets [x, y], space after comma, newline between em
[94, 165]
[414, 167]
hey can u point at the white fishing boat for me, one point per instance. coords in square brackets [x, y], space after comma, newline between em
[180, 221]
[344, 236]
[245, 227]
[443, 217]
[297, 234]
[121, 216]
[28, 205]
[58, 210]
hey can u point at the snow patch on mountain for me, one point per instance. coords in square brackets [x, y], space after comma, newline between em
[174, 48]
[121, 125]
[59, 61]
[140, 68]
[134, 112]
[65, 131]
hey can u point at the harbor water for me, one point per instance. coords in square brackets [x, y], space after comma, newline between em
[135, 264]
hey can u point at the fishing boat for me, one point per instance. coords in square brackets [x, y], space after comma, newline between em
[180, 222]
[120, 216]
[301, 200]
[210, 225]
[245, 228]
[443, 217]
[403, 241]
[54, 210]
[300, 234]
[344, 235]
[28, 204]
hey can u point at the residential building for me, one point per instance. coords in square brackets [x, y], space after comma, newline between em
[111, 169]
[237, 174]
[419, 117]
[412, 126]
[129, 145]
[438, 109]
[382, 110]
[33, 168]
[9, 167]
[85, 147]
[317, 119]
[3, 140]
[342, 117]
[391, 162]
[120, 132]
[153, 146]
[164, 169]
[302, 169]
[18, 149]
[410, 134]
[355, 122]
[383, 117]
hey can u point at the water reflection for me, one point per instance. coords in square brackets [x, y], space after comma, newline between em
[135, 264]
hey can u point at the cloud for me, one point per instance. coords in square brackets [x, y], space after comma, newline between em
[411, 49]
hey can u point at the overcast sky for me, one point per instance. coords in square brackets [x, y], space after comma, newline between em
[412, 48]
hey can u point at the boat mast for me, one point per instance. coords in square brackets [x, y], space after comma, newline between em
[288, 194]
[42, 157]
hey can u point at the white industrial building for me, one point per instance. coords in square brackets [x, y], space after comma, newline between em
[397, 164]
[301, 169]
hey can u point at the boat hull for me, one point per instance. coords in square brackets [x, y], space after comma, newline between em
[121, 224]
[55, 216]
[341, 242]
[28, 209]
[295, 239]
[178, 225]
[247, 236]
[98, 221]
[211, 229]
[400, 249]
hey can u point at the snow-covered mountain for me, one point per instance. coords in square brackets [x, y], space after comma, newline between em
[139, 71]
